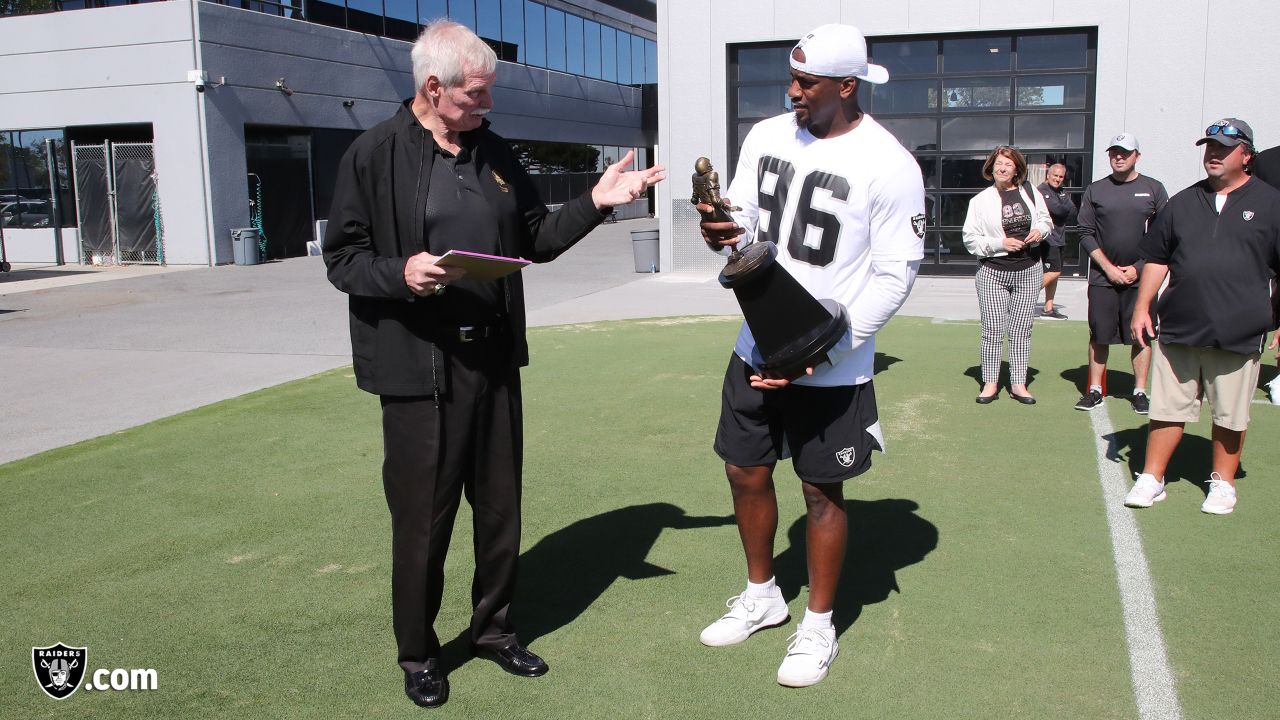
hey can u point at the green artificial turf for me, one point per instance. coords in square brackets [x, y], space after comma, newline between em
[242, 550]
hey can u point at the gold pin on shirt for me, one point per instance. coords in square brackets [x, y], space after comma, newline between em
[502, 184]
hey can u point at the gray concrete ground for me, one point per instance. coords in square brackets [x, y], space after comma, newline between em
[89, 351]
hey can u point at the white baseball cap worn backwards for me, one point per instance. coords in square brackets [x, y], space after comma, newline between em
[837, 51]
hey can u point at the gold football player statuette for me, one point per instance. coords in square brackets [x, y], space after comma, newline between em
[706, 191]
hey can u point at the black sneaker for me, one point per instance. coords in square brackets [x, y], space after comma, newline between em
[1141, 403]
[1090, 400]
[1052, 314]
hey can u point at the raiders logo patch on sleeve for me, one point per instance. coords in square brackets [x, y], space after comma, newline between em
[917, 224]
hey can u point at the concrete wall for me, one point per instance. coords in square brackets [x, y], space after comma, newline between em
[1166, 69]
[107, 66]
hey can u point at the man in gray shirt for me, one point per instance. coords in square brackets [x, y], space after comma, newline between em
[1114, 213]
[1063, 212]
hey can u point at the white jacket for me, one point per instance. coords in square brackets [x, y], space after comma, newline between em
[983, 230]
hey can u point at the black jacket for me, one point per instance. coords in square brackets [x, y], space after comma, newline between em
[377, 222]
[1222, 266]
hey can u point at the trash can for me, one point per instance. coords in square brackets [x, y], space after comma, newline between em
[244, 246]
[644, 245]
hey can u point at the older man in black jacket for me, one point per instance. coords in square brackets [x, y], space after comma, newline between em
[446, 365]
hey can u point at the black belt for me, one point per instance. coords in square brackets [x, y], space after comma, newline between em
[470, 333]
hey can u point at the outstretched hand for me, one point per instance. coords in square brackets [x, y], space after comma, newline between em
[619, 186]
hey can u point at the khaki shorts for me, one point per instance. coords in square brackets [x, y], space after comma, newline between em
[1181, 375]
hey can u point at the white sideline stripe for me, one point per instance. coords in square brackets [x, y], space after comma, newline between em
[1153, 683]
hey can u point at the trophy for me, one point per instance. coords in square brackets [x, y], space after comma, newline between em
[793, 330]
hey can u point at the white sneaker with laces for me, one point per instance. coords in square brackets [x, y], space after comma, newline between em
[1146, 491]
[746, 615]
[1273, 391]
[810, 652]
[1222, 496]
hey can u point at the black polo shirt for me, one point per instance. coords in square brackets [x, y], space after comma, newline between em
[1221, 266]
[458, 217]
[1114, 216]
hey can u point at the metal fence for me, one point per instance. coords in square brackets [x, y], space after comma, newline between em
[118, 196]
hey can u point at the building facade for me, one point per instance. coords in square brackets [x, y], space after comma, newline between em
[171, 123]
[1056, 79]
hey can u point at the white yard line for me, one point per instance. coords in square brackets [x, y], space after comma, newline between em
[1154, 686]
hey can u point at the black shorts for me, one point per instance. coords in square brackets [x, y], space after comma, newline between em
[1050, 257]
[828, 432]
[1110, 313]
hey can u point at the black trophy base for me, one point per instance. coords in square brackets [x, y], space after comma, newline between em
[809, 350]
[743, 266]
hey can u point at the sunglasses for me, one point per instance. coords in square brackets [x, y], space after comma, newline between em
[1227, 131]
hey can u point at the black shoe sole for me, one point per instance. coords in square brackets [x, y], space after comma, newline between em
[1024, 399]
[986, 399]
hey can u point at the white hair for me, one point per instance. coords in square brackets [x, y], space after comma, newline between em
[449, 51]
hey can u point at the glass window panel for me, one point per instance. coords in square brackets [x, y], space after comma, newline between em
[402, 19]
[975, 94]
[591, 48]
[950, 248]
[761, 101]
[1051, 91]
[463, 12]
[975, 133]
[743, 129]
[650, 61]
[535, 34]
[956, 207]
[914, 57]
[365, 16]
[574, 61]
[624, 57]
[600, 151]
[513, 26]
[929, 172]
[915, 134]
[1042, 52]
[608, 53]
[964, 171]
[905, 96]
[429, 10]
[865, 90]
[637, 60]
[755, 64]
[1074, 162]
[555, 39]
[488, 19]
[963, 55]
[1049, 131]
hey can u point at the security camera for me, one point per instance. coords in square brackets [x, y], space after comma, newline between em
[200, 87]
[348, 103]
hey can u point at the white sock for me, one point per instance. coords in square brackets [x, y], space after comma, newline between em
[816, 620]
[768, 588]
[1139, 391]
[1095, 388]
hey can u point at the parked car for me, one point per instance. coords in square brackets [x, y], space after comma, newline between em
[25, 214]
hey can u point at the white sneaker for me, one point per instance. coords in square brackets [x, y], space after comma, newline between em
[1222, 496]
[1146, 491]
[1273, 391]
[810, 653]
[746, 615]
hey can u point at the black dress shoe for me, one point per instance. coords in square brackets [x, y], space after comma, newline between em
[987, 399]
[1024, 399]
[428, 688]
[516, 659]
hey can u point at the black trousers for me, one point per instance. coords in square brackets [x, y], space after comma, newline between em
[470, 445]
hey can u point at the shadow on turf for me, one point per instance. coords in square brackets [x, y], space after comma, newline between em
[882, 362]
[1119, 383]
[975, 372]
[567, 571]
[1192, 461]
[885, 536]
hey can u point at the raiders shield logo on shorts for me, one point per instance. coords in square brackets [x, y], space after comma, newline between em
[59, 669]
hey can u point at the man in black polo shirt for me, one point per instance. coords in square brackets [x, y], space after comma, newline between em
[1266, 167]
[1114, 212]
[1063, 212]
[446, 365]
[1218, 242]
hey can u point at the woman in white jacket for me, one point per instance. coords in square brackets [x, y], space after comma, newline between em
[1004, 224]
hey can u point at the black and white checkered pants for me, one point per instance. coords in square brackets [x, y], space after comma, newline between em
[1007, 301]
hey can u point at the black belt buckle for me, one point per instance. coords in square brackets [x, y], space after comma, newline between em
[469, 333]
